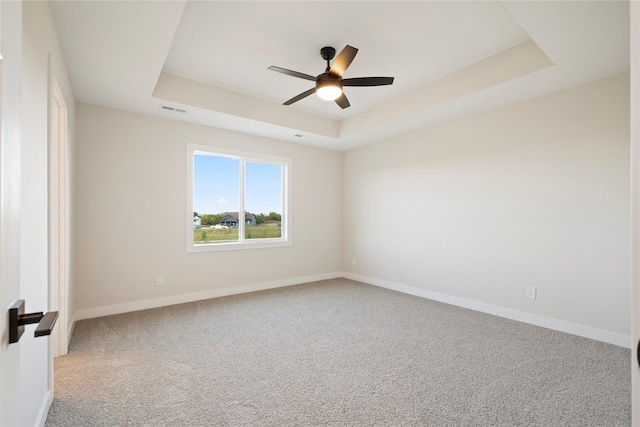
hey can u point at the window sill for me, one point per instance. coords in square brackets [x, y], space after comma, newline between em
[235, 246]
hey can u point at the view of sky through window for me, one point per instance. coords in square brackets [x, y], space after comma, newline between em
[216, 186]
[263, 188]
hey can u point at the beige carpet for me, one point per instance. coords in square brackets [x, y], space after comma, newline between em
[337, 353]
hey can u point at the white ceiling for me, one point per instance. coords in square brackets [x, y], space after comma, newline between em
[449, 60]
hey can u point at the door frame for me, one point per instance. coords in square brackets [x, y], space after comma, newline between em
[635, 206]
[1, 283]
[58, 214]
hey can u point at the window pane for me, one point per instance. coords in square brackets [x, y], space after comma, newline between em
[215, 199]
[263, 201]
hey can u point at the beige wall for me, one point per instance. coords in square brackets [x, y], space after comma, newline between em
[130, 213]
[533, 194]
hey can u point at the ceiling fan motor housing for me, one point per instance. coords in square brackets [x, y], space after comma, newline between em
[328, 79]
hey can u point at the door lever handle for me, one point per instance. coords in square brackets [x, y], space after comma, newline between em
[17, 320]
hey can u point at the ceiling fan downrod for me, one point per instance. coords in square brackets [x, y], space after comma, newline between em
[327, 54]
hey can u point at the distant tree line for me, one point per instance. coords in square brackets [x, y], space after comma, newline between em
[261, 218]
[210, 219]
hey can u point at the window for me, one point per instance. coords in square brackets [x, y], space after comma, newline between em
[236, 200]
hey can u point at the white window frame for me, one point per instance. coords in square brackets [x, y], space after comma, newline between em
[242, 243]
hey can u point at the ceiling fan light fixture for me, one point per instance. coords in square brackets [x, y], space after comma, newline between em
[329, 84]
[329, 91]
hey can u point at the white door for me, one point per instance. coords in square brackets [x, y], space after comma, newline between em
[25, 386]
[9, 208]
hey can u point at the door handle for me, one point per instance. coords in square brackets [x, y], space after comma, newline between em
[17, 320]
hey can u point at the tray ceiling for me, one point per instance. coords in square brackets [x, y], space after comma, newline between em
[449, 60]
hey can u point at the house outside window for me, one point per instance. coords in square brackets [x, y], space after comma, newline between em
[224, 186]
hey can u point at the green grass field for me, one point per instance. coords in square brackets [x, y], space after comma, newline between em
[211, 235]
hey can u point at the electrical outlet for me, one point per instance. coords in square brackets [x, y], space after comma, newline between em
[530, 292]
[159, 280]
[354, 261]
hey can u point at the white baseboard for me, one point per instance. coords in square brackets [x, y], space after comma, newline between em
[521, 316]
[44, 409]
[70, 330]
[197, 296]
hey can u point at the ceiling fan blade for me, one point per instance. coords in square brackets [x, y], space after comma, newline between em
[342, 101]
[301, 96]
[368, 81]
[343, 60]
[292, 73]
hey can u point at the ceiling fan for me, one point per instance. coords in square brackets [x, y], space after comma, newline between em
[330, 83]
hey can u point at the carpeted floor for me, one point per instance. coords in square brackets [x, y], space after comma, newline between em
[337, 353]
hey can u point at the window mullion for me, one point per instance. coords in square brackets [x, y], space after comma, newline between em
[283, 203]
[241, 214]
